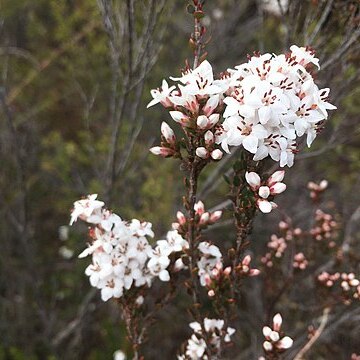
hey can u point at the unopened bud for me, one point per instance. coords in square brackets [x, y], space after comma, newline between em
[168, 133]
[217, 154]
[162, 151]
[204, 218]
[201, 152]
[199, 208]
[209, 138]
[215, 216]
[181, 218]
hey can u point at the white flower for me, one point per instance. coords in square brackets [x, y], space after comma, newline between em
[119, 355]
[161, 95]
[85, 208]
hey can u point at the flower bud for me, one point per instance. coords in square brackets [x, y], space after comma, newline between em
[202, 122]
[181, 218]
[277, 176]
[179, 117]
[211, 293]
[277, 188]
[264, 192]
[209, 138]
[162, 151]
[204, 218]
[253, 179]
[199, 208]
[168, 133]
[213, 120]
[215, 216]
[201, 152]
[216, 154]
[211, 105]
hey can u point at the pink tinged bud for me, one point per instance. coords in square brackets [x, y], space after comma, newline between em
[264, 192]
[211, 293]
[204, 218]
[181, 218]
[175, 226]
[274, 336]
[209, 138]
[215, 216]
[201, 152]
[253, 179]
[227, 271]
[285, 343]
[216, 154]
[254, 272]
[168, 133]
[267, 346]
[277, 321]
[199, 208]
[323, 184]
[162, 151]
[211, 105]
[266, 331]
[207, 279]
[264, 206]
[179, 117]
[277, 188]
[277, 176]
[213, 120]
[202, 122]
[246, 261]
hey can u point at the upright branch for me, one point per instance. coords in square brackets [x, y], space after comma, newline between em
[196, 39]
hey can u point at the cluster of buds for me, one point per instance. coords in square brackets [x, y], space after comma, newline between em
[195, 105]
[264, 192]
[300, 261]
[275, 342]
[317, 189]
[325, 228]
[202, 218]
[208, 150]
[355, 356]
[169, 146]
[217, 279]
[327, 279]
[277, 246]
[243, 269]
[349, 284]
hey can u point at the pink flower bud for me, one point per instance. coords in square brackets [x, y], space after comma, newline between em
[264, 192]
[202, 122]
[253, 179]
[246, 260]
[211, 105]
[201, 152]
[180, 118]
[207, 279]
[277, 321]
[277, 188]
[211, 293]
[285, 343]
[254, 272]
[277, 176]
[264, 206]
[168, 133]
[204, 218]
[217, 154]
[209, 138]
[227, 271]
[181, 218]
[199, 208]
[215, 216]
[213, 120]
[323, 184]
[267, 346]
[162, 151]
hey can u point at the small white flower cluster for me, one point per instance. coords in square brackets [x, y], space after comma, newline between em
[192, 104]
[274, 101]
[209, 260]
[263, 192]
[196, 345]
[121, 254]
[274, 342]
[271, 101]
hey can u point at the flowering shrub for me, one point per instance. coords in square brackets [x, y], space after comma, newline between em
[263, 107]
